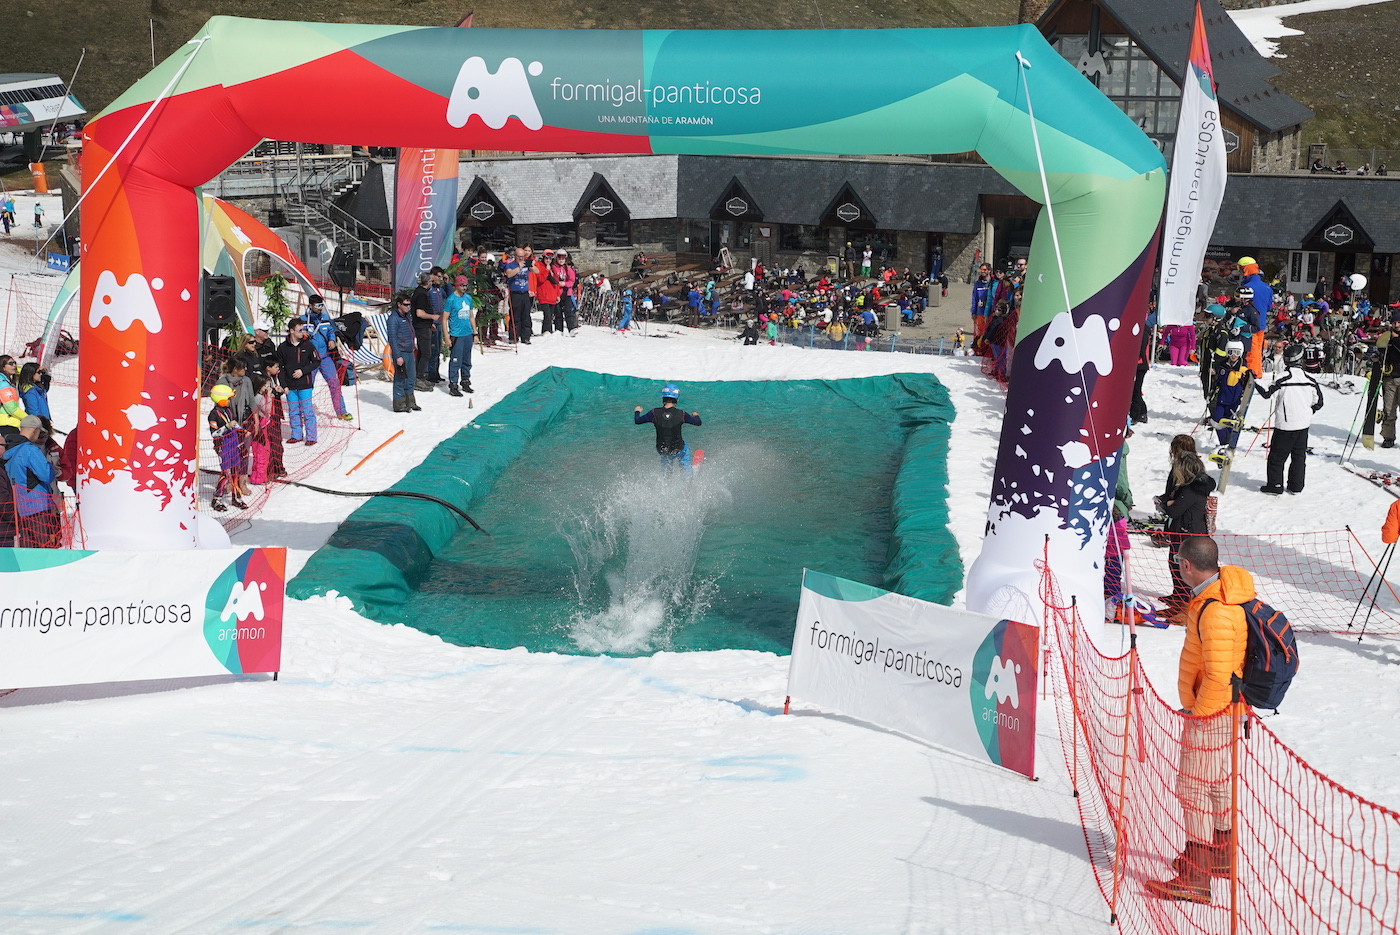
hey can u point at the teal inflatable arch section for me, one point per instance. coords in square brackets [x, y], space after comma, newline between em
[1003, 92]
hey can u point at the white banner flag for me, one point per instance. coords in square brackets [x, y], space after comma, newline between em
[74, 617]
[1196, 187]
[963, 680]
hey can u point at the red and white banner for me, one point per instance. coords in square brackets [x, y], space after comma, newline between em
[73, 617]
[1196, 185]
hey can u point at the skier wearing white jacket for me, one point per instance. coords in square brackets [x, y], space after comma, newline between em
[1296, 397]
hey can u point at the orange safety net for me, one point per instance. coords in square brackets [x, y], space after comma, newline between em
[1326, 581]
[1262, 842]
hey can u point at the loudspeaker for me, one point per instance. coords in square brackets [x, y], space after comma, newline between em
[342, 268]
[220, 309]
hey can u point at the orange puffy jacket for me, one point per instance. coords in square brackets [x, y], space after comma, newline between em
[1216, 636]
[1391, 530]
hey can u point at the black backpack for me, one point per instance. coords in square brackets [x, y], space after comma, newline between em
[1270, 657]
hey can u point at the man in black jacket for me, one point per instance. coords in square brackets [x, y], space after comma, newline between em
[428, 301]
[299, 361]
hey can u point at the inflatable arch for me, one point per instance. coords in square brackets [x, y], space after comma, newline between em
[228, 236]
[1001, 91]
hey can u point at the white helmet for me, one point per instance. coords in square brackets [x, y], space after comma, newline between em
[1235, 347]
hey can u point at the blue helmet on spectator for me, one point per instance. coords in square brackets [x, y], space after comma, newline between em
[670, 391]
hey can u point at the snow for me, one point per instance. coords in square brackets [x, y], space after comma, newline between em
[390, 782]
[1264, 25]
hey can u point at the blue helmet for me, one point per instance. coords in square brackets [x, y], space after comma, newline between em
[670, 391]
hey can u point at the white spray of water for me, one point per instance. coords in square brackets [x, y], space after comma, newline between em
[640, 539]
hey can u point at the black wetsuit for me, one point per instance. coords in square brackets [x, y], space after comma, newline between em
[668, 421]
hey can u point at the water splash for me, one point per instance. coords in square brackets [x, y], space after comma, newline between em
[635, 549]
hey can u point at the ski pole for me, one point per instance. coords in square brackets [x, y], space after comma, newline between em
[1262, 429]
[1390, 553]
[1351, 432]
[1385, 557]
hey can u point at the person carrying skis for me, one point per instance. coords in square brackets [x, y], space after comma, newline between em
[1299, 397]
[669, 419]
[1230, 379]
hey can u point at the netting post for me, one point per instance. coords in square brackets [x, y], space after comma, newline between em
[1118, 822]
[1073, 681]
[1236, 710]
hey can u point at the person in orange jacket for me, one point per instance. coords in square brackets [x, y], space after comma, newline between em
[1390, 530]
[1213, 654]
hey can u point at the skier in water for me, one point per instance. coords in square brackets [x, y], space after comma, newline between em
[669, 420]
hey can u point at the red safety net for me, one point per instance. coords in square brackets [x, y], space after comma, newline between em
[26, 308]
[299, 461]
[1305, 854]
[57, 525]
[1325, 582]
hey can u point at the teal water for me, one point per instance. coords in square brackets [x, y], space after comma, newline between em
[594, 548]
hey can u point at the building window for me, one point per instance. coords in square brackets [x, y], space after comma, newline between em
[884, 245]
[804, 238]
[613, 233]
[494, 237]
[554, 235]
[1132, 81]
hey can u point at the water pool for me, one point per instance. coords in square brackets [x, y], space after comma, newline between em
[595, 548]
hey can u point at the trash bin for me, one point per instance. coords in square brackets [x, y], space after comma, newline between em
[834, 265]
[935, 294]
[892, 320]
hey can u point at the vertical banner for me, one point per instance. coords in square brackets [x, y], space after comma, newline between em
[1196, 186]
[70, 617]
[962, 680]
[425, 212]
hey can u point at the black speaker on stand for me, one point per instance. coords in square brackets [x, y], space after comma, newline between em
[217, 304]
[344, 267]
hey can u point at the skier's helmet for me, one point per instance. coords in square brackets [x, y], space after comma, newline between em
[221, 393]
[670, 391]
[1234, 349]
[1245, 293]
[1293, 354]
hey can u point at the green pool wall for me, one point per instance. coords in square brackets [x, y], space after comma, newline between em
[377, 553]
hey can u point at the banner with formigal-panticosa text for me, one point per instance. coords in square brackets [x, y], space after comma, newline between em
[962, 680]
[71, 617]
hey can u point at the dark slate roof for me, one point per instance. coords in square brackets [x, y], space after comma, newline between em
[1280, 211]
[1163, 27]
[902, 196]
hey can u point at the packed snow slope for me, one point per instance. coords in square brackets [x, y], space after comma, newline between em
[391, 782]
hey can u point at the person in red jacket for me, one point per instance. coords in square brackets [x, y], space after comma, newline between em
[1212, 656]
[547, 292]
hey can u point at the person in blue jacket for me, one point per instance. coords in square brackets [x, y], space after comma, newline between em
[400, 340]
[626, 321]
[1231, 379]
[32, 476]
[34, 391]
[669, 419]
[324, 339]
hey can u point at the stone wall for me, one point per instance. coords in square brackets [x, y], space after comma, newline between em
[1277, 152]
